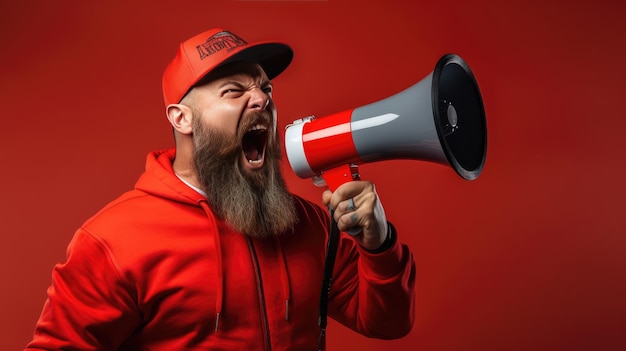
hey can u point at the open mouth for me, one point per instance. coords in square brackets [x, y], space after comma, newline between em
[253, 144]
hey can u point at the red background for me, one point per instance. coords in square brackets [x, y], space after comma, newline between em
[528, 257]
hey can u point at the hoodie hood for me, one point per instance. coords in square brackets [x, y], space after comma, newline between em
[160, 180]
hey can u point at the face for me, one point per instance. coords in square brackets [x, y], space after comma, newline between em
[236, 151]
[237, 100]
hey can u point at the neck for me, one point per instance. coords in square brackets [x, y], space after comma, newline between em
[183, 165]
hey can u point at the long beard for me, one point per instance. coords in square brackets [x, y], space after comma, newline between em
[255, 203]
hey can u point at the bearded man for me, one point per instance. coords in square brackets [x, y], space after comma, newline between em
[210, 250]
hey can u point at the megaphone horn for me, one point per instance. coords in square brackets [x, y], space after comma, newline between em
[440, 119]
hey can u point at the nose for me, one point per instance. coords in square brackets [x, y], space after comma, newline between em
[259, 99]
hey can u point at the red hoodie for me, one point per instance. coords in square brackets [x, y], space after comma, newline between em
[156, 270]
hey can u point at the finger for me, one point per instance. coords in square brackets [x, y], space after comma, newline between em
[354, 229]
[350, 223]
[350, 205]
[326, 196]
[353, 218]
[344, 192]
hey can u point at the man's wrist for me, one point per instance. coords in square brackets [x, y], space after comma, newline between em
[390, 240]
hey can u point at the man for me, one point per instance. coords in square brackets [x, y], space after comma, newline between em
[210, 250]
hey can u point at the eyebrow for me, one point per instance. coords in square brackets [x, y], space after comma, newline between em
[263, 84]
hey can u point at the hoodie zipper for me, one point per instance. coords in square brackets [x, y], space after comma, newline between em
[259, 287]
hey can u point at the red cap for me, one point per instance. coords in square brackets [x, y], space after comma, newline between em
[201, 54]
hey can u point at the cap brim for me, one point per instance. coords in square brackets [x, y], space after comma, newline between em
[274, 58]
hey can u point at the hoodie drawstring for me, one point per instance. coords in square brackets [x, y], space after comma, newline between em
[284, 276]
[219, 299]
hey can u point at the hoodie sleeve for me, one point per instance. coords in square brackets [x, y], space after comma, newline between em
[89, 304]
[373, 293]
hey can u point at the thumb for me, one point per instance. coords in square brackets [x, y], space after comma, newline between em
[326, 195]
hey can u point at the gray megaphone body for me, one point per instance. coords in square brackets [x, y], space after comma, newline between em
[440, 119]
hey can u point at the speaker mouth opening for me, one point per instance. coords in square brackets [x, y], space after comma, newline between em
[459, 116]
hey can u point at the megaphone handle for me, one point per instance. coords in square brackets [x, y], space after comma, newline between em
[337, 176]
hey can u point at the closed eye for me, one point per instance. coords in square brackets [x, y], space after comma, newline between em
[232, 92]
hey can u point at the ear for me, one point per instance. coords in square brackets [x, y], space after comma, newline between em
[180, 117]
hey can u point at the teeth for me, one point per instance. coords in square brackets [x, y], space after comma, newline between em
[254, 162]
[256, 127]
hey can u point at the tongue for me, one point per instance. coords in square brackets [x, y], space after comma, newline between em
[252, 155]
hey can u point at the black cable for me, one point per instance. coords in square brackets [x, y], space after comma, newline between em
[331, 253]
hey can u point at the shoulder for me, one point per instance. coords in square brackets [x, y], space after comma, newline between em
[136, 218]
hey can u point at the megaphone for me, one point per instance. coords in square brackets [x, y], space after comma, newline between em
[440, 119]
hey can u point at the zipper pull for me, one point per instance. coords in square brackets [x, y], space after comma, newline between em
[217, 321]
